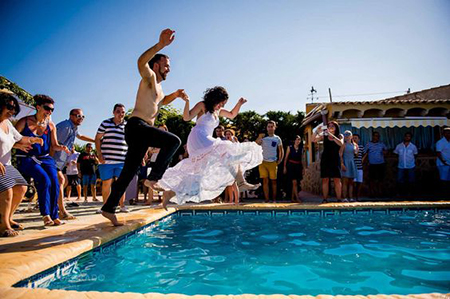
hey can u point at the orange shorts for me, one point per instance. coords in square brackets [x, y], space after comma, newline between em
[268, 170]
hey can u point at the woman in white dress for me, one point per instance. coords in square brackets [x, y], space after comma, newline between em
[213, 163]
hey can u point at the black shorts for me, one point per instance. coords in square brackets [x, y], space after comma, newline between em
[377, 171]
[73, 180]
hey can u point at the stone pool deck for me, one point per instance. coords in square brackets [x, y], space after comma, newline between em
[38, 248]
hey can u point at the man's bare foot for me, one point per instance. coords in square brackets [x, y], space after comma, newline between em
[112, 217]
[153, 185]
[167, 195]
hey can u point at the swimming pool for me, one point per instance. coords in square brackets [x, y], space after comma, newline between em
[269, 252]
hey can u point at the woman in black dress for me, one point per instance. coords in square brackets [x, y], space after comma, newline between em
[330, 162]
[293, 167]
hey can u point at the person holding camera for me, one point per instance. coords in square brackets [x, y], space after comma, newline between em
[330, 162]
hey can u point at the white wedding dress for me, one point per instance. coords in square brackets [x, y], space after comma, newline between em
[212, 164]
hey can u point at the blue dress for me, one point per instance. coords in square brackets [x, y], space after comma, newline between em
[349, 162]
[39, 165]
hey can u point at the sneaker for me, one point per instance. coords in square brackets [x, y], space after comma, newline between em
[124, 210]
[345, 200]
[99, 211]
[246, 186]
[351, 200]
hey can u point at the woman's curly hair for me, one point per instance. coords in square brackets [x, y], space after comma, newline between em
[214, 96]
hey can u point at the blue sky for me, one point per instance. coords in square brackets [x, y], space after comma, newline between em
[84, 53]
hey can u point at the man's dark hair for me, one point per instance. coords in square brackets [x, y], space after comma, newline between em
[41, 99]
[357, 135]
[220, 127]
[375, 133]
[214, 96]
[409, 133]
[118, 105]
[156, 59]
[72, 112]
[5, 98]
[272, 122]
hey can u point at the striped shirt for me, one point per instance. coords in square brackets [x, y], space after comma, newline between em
[358, 158]
[113, 145]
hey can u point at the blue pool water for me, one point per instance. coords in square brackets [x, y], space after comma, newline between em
[237, 254]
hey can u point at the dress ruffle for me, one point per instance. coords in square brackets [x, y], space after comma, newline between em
[205, 176]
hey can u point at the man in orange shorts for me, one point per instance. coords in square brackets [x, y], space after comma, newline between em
[273, 154]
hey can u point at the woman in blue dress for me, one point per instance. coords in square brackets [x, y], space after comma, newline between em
[37, 162]
[348, 166]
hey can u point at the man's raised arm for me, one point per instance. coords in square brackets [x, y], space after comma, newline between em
[166, 38]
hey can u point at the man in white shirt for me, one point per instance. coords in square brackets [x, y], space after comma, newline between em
[443, 160]
[406, 152]
[273, 154]
[73, 174]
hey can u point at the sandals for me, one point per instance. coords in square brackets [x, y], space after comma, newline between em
[58, 222]
[67, 216]
[48, 221]
[9, 233]
[17, 226]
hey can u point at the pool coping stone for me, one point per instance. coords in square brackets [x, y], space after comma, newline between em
[26, 255]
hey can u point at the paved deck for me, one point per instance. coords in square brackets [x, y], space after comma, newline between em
[38, 248]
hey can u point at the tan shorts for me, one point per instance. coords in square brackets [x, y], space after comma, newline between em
[268, 170]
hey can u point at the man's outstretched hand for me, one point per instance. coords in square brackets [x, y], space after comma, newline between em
[182, 94]
[166, 38]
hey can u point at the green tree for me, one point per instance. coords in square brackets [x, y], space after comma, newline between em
[247, 124]
[23, 95]
[288, 125]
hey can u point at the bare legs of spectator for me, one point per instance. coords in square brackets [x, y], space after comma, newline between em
[266, 190]
[232, 193]
[93, 192]
[347, 188]
[69, 191]
[294, 196]
[5, 210]
[326, 187]
[63, 213]
[9, 201]
[18, 195]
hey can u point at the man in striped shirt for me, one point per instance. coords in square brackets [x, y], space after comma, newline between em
[111, 150]
[359, 166]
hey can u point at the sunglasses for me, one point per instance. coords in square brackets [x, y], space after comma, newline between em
[78, 116]
[11, 107]
[48, 108]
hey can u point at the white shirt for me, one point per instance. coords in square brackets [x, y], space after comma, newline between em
[443, 146]
[7, 141]
[71, 163]
[406, 155]
[269, 146]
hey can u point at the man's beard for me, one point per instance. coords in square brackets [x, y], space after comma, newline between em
[163, 75]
